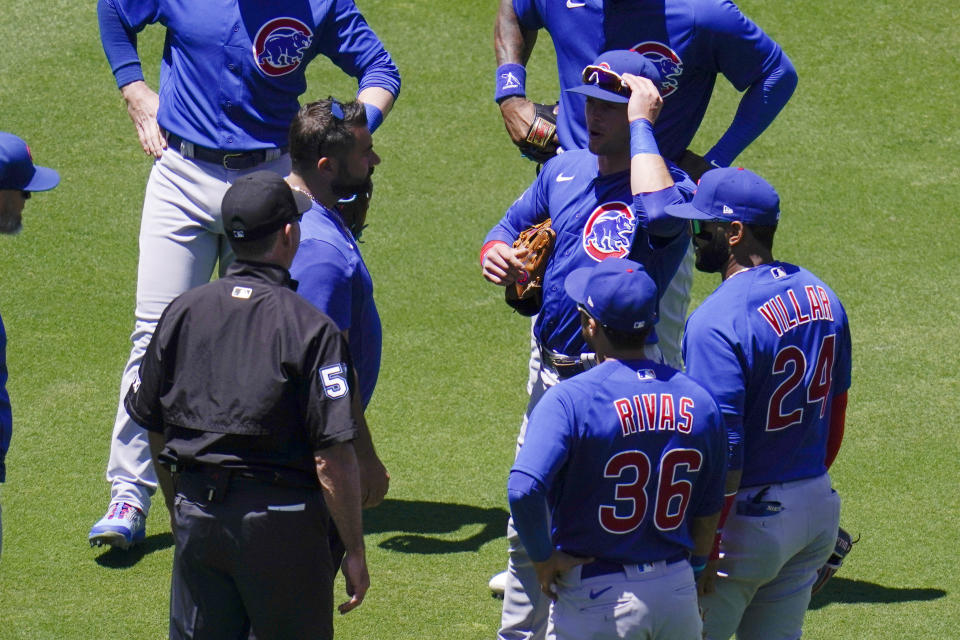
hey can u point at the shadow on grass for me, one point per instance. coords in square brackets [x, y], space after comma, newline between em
[414, 518]
[119, 559]
[841, 590]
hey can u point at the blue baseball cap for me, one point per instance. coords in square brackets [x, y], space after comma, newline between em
[728, 194]
[601, 79]
[617, 292]
[17, 170]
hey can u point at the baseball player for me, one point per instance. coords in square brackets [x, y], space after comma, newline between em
[772, 344]
[19, 177]
[604, 202]
[691, 42]
[332, 154]
[630, 459]
[229, 82]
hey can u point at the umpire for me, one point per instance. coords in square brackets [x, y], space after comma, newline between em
[244, 390]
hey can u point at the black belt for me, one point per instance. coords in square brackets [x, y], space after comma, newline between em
[567, 366]
[602, 567]
[214, 482]
[234, 160]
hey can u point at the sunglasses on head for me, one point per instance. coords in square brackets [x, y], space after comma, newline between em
[605, 79]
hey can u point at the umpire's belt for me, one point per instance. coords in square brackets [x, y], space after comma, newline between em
[212, 484]
[601, 567]
[235, 160]
[567, 366]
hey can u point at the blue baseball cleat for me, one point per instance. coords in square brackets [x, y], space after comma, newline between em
[122, 527]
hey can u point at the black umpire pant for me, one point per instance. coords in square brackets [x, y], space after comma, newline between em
[251, 561]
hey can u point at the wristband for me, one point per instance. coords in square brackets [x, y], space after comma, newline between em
[511, 81]
[641, 138]
[698, 564]
[374, 116]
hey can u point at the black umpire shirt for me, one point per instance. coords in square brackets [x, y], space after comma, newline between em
[245, 374]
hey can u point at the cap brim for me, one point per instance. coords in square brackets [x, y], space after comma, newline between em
[576, 284]
[594, 91]
[302, 200]
[43, 180]
[687, 211]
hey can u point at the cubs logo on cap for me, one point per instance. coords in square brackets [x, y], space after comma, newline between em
[728, 194]
[279, 45]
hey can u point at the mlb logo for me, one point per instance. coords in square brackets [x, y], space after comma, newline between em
[646, 374]
[242, 293]
[778, 273]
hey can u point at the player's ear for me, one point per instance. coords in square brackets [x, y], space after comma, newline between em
[735, 232]
[323, 164]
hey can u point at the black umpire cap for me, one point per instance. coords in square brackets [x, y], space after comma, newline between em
[258, 204]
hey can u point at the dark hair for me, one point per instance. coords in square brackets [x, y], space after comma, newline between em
[254, 249]
[627, 341]
[763, 234]
[316, 132]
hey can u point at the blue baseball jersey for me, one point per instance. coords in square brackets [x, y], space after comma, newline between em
[691, 41]
[331, 275]
[626, 453]
[594, 218]
[6, 415]
[232, 71]
[772, 344]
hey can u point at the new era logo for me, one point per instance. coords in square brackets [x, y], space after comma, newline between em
[727, 211]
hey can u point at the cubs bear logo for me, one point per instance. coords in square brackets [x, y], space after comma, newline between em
[609, 231]
[279, 45]
[667, 61]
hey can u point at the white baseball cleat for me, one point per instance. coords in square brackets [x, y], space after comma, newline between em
[123, 526]
[498, 584]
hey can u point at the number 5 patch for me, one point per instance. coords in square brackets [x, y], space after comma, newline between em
[334, 384]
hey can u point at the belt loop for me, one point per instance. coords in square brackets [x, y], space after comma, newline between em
[186, 149]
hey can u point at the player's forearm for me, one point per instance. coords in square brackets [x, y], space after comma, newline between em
[702, 530]
[511, 42]
[758, 108]
[119, 44]
[838, 417]
[339, 477]
[528, 507]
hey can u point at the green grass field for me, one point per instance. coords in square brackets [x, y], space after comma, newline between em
[865, 160]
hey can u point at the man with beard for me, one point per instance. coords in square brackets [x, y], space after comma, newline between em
[19, 177]
[331, 152]
[772, 344]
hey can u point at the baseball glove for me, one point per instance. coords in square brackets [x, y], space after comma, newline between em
[354, 209]
[526, 294]
[541, 142]
[844, 545]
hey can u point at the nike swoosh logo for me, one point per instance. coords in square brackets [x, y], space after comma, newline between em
[596, 594]
[563, 178]
[574, 5]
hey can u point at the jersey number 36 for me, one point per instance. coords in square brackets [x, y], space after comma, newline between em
[673, 494]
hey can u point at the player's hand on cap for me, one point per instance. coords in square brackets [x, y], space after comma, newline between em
[354, 567]
[645, 101]
[142, 104]
[502, 264]
[553, 567]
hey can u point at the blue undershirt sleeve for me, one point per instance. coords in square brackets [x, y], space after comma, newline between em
[734, 425]
[119, 43]
[528, 506]
[758, 108]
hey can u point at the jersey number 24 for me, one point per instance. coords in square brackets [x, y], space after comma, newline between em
[673, 494]
[793, 360]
